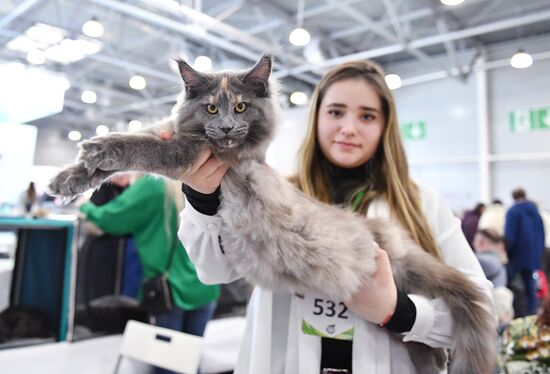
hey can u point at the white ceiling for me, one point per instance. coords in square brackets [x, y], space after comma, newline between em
[141, 36]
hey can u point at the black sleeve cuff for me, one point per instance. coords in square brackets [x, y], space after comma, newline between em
[203, 203]
[404, 316]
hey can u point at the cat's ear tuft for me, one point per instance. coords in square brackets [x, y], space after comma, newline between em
[258, 76]
[195, 82]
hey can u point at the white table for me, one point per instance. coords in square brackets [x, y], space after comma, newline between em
[99, 355]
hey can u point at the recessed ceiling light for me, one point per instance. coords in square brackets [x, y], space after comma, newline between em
[41, 32]
[203, 63]
[74, 135]
[298, 98]
[69, 50]
[393, 81]
[36, 57]
[101, 130]
[135, 125]
[521, 60]
[88, 97]
[22, 44]
[299, 36]
[137, 82]
[93, 28]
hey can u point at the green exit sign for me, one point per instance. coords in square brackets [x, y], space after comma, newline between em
[527, 120]
[413, 130]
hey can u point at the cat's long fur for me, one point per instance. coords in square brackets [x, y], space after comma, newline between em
[272, 233]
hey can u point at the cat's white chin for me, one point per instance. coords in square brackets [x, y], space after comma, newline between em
[228, 143]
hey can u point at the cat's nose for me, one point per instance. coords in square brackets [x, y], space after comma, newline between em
[226, 129]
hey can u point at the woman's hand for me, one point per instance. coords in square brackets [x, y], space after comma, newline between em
[376, 300]
[207, 172]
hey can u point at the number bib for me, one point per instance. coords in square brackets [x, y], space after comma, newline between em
[326, 318]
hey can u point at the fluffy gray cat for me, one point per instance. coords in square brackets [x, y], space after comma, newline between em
[273, 234]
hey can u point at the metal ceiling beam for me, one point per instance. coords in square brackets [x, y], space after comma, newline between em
[378, 29]
[307, 14]
[394, 19]
[21, 9]
[137, 106]
[407, 17]
[225, 31]
[443, 28]
[188, 30]
[229, 11]
[134, 67]
[191, 31]
[425, 42]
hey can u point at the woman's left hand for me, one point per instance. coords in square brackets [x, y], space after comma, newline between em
[376, 300]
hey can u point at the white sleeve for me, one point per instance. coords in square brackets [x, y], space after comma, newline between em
[199, 234]
[433, 324]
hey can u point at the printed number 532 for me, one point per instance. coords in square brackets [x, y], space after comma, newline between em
[329, 308]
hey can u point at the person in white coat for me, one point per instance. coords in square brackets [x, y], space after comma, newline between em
[352, 155]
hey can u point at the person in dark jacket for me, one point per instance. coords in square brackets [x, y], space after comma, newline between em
[470, 222]
[524, 232]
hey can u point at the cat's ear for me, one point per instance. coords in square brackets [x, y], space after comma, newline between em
[195, 82]
[258, 76]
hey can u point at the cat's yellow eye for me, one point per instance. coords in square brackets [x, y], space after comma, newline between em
[240, 107]
[212, 109]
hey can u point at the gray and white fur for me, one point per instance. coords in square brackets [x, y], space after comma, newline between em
[273, 234]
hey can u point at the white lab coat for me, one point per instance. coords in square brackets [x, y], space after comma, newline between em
[273, 342]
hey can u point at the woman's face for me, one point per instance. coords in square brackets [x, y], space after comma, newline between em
[350, 123]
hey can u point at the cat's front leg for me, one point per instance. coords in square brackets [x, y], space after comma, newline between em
[76, 179]
[143, 152]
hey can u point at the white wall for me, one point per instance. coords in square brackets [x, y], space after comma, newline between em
[17, 144]
[282, 152]
[53, 148]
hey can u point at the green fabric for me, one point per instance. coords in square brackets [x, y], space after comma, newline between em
[139, 211]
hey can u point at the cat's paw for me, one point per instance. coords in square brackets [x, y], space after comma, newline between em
[104, 153]
[74, 180]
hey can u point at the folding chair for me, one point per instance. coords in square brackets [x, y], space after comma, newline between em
[158, 346]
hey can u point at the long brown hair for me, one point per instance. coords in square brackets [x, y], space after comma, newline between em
[389, 170]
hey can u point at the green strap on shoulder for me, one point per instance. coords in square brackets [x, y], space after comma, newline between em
[357, 199]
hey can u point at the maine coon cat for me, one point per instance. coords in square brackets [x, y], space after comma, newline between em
[274, 234]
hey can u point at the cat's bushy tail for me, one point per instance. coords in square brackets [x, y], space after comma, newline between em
[474, 326]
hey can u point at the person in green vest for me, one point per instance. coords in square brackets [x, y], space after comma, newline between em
[148, 210]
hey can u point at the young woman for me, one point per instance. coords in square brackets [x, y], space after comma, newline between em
[352, 155]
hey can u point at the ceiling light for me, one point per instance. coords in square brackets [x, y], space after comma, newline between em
[22, 44]
[299, 37]
[101, 130]
[452, 2]
[93, 28]
[137, 82]
[135, 125]
[521, 60]
[66, 84]
[36, 57]
[393, 81]
[74, 135]
[202, 63]
[298, 98]
[88, 97]
[45, 33]
[70, 50]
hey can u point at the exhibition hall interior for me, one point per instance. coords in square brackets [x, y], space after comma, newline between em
[182, 182]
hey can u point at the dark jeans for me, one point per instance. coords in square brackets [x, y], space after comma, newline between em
[187, 321]
[529, 285]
